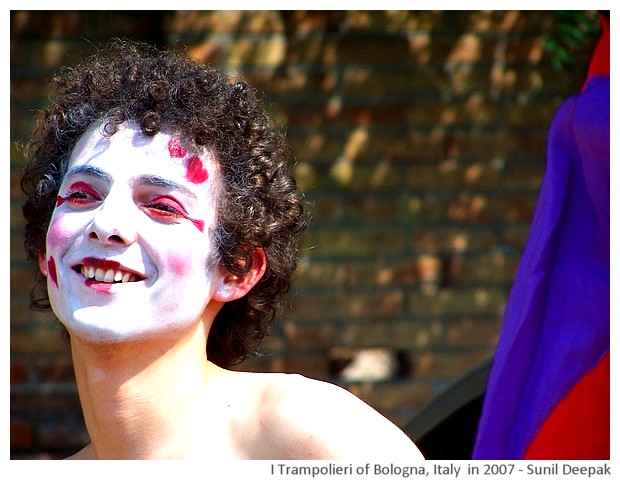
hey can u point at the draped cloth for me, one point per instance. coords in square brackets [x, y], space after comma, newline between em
[548, 391]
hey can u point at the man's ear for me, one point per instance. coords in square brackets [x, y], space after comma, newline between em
[233, 287]
[43, 263]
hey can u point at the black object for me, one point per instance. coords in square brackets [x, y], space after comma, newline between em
[446, 428]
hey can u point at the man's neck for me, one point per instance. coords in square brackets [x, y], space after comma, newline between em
[142, 399]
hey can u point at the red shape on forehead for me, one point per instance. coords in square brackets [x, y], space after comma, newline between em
[51, 270]
[176, 149]
[196, 172]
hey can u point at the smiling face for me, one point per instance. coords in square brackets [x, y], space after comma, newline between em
[128, 250]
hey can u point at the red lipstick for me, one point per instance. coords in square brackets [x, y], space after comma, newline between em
[100, 263]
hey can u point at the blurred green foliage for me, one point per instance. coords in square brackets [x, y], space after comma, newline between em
[574, 30]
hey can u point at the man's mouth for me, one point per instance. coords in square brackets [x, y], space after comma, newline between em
[107, 276]
[105, 271]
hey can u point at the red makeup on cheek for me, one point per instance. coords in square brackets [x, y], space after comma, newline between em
[57, 234]
[196, 172]
[59, 201]
[51, 270]
[178, 264]
[176, 149]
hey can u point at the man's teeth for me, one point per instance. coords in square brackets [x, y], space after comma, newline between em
[107, 276]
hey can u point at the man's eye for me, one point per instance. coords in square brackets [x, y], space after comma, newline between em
[162, 208]
[80, 197]
[81, 193]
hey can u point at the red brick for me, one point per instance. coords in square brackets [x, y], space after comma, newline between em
[495, 267]
[481, 207]
[347, 305]
[20, 315]
[326, 209]
[470, 332]
[532, 116]
[275, 342]
[515, 235]
[393, 334]
[17, 156]
[261, 363]
[377, 49]
[268, 52]
[452, 173]
[17, 221]
[321, 274]
[336, 115]
[480, 301]
[35, 24]
[359, 273]
[55, 369]
[352, 243]
[311, 22]
[184, 22]
[312, 49]
[233, 22]
[18, 254]
[310, 365]
[22, 435]
[524, 175]
[67, 432]
[314, 146]
[384, 273]
[209, 52]
[452, 239]
[371, 210]
[20, 372]
[38, 341]
[22, 280]
[45, 403]
[394, 20]
[15, 188]
[359, 82]
[295, 85]
[310, 337]
[447, 367]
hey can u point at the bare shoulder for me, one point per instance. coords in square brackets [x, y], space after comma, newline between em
[306, 418]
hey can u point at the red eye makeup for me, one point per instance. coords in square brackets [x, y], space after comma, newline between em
[167, 208]
[79, 193]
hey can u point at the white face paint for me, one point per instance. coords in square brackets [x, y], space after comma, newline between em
[128, 248]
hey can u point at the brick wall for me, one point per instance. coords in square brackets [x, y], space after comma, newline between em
[420, 142]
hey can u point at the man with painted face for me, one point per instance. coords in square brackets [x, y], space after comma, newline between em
[163, 219]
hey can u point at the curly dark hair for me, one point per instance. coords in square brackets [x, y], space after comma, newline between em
[259, 204]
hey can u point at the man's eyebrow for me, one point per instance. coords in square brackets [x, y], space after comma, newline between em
[152, 180]
[89, 170]
[157, 181]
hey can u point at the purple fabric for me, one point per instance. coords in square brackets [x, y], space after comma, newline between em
[556, 325]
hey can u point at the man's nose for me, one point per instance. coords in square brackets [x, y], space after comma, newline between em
[112, 223]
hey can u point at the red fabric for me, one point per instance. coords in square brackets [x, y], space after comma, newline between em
[599, 63]
[578, 428]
